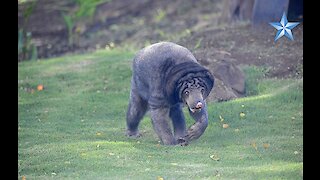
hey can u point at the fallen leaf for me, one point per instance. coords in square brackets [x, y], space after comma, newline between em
[40, 87]
[221, 118]
[295, 152]
[174, 164]
[111, 154]
[214, 157]
[266, 145]
[242, 105]
[242, 114]
[237, 130]
[98, 134]
[254, 145]
[23, 178]
[225, 126]
[160, 178]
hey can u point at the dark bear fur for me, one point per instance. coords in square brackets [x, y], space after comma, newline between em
[166, 76]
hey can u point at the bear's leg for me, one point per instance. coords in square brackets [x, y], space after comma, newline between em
[198, 128]
[136, 109]
[160, 124]
[178, 121]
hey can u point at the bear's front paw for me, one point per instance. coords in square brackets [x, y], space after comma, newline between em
[182, 141]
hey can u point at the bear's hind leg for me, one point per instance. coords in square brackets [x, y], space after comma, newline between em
[136, 109]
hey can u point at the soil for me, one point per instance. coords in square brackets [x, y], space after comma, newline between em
[194, 24]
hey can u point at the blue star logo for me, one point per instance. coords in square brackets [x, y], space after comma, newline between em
[284, 27]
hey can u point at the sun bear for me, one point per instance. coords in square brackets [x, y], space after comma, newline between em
[166, 76]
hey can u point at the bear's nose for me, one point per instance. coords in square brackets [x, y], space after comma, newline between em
[199, 105]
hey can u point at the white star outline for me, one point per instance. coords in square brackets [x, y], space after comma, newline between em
[284, 27]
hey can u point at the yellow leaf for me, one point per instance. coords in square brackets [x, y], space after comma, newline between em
[254, 145]
[266, 145]
[221, 118]
[160, 178]
[242, 114]
[214, 157]
[23, 178]
[237, 130]
[111, 154]
[225, 126]
[98, 134]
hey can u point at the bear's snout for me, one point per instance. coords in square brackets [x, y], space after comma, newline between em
[199, 105]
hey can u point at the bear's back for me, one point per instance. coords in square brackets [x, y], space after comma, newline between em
[155, 55]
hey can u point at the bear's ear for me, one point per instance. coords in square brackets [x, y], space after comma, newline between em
[209, 81]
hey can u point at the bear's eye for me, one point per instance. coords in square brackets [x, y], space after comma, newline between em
[186, 93]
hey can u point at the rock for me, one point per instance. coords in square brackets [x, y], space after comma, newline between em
[229, 78]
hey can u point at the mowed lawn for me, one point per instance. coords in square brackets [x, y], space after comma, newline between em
[75, 127]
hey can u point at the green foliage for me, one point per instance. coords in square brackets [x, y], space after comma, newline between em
[198, 43]
[74, 128]
[85, 9]
[68, 19]
[26, 49]
[253, 76]
[160, 15]
[28, 10]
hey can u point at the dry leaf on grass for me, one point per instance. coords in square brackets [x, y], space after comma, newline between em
[214, 157]
[40, 87]
[242, 114]
[225, 126]
[266, 145]
[221, 118]
[254, 145]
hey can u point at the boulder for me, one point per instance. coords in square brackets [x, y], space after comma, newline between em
[229, 78]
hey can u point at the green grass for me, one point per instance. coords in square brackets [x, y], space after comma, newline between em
[74, 128]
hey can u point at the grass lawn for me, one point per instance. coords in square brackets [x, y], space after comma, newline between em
[74, 128]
